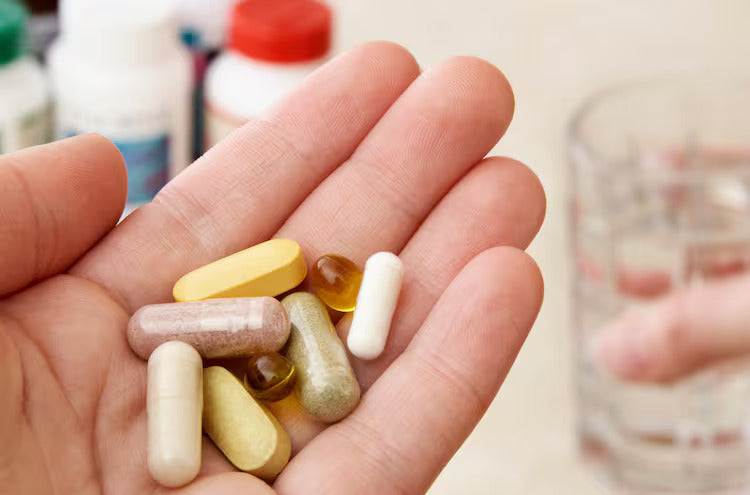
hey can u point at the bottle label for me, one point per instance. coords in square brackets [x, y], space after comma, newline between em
[30, 129]
[147, 160]
[218, 125]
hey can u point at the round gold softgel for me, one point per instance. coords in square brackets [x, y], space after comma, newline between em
[270, 376]
[335, 280]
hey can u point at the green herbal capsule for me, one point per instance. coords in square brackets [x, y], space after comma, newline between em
[327, 387]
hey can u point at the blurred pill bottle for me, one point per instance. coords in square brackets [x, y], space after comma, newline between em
[42, 26]
[203, 24]
[203, 29]
[24, 97]
[273, 45]
[119, 69]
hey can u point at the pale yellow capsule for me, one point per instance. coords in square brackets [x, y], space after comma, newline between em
[245, 431]
[266, 269]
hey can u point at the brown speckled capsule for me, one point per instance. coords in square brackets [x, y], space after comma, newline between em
[216, 328]
[328, 389]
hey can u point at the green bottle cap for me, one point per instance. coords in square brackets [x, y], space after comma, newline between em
[12, 30]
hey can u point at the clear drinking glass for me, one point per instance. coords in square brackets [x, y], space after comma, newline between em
[661, 201]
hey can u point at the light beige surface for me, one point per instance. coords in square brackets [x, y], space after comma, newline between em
[554, 53]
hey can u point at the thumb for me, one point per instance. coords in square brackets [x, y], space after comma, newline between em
[680, 333]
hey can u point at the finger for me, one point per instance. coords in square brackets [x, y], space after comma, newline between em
[242, 190]
[679, 334]
[419, 412]
[55, 202]
[437, 130]
[500, 202]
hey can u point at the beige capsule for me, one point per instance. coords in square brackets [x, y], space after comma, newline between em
[173, 406]
[326, 385]
[216, 328]
[245, 431]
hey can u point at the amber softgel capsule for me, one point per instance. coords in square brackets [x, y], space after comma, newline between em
[335, 280]
[270, 376]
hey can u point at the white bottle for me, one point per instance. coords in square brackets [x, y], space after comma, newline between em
[204, 22]
[119, 69]
[24, 98]
[273, 45]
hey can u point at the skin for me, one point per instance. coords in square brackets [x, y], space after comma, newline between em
[367, 155]
[680, 333]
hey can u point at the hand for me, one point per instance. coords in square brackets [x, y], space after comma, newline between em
[367, 155]
[680, 333]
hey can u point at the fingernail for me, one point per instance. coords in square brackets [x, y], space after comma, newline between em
[620, 348]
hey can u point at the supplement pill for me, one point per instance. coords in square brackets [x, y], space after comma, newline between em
[215, 328]
[335, 280]
[248, 435]
[326, 385]
[270, 376]
[376, 303]
[266, 269]
[173, 406]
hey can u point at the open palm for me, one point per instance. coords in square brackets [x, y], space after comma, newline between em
[367, 155]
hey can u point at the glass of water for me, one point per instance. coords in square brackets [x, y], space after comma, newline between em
[660, 202]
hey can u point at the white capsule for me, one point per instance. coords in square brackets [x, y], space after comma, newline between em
[376, 303]
[174, 405]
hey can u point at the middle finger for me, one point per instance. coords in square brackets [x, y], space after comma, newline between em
[447, 120]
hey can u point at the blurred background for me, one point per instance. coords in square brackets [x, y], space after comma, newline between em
[555, 54]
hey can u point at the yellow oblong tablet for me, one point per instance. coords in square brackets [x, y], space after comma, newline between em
[245, 431]
[266, 269]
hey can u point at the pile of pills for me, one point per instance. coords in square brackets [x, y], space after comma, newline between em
[228, 309]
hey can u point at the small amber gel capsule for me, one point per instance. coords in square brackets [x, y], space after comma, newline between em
[326, 385]
[335, 280]
[266, 269]
[376, 303]
[245, 431]
[173, 406]
[217, 328]
[270, 376]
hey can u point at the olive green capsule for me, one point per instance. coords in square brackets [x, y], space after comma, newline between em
[326, 385]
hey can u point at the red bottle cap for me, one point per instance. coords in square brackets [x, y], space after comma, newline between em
[281, 30]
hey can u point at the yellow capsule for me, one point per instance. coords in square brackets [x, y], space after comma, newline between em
[269, 376]
[245, 431]
[266, 269]
[336, 280]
